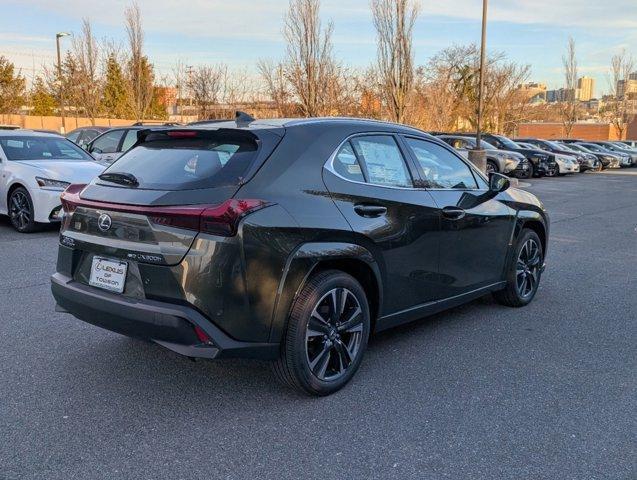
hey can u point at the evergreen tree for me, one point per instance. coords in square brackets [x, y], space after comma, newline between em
[12, 87]
[157, 109]
[42, 101]
[114, 99]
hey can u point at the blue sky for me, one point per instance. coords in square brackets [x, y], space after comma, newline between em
[239, 32]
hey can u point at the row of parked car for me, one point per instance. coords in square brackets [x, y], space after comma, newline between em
[32, 187]
[535, 157]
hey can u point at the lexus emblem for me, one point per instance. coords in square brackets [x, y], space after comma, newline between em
[104, 222]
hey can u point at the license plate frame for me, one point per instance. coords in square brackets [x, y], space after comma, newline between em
[108, 274]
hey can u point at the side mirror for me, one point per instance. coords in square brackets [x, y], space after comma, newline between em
[498, 182]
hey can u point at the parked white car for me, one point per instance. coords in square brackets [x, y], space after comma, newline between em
[35, 168]
[566, 164]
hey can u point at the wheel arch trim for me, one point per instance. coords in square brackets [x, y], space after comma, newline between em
[304, 261]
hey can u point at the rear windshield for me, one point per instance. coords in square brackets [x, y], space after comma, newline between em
[41, 148]
[213, 159]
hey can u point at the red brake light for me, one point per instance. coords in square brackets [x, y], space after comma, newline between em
[182, 133]
[222, 219]
[69, 195]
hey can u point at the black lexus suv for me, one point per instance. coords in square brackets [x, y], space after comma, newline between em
[291, 240]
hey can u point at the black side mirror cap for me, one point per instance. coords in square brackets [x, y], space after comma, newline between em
[498, 182]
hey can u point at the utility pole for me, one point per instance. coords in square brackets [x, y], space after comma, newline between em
[189, 73]
[62, 106]
[478, 156]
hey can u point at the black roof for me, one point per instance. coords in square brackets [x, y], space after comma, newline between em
[303, 122]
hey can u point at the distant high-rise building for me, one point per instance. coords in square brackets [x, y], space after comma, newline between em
[585, 88]
[627, 87]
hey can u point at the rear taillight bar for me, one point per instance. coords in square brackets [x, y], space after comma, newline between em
[222, 219]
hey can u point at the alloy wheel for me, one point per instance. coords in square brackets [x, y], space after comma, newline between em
[528, 268]
[491, 168]
[20, 210]
[334, 334]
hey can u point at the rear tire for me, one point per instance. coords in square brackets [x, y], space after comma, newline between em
[21, 211]
[523, 271]
[327, 334]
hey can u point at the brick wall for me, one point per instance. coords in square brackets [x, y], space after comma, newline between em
[585, 131]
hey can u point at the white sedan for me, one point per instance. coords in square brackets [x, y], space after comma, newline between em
[35, 168]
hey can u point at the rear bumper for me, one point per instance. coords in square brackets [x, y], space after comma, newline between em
[169, 325]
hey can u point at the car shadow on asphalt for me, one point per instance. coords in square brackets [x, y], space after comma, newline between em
[8, 232]
[137, 368]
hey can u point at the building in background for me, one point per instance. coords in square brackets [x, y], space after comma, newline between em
[559, 95]
[628, 87]
[585, 89]
[535, 91]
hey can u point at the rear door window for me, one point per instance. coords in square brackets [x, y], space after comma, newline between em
[441, 168]
[108, 143]
[383, 160]
[129, 139]
[207, 160]
[73, 136]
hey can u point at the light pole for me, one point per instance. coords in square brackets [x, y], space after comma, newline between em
[478, 156]
[62, 106]
[483, 42]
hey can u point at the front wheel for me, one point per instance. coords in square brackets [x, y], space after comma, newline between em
[327, 334]
[21, 211]
[492, 167]
[523, 272]
[553, 171]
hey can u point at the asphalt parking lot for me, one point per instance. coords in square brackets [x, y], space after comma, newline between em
[480, 392]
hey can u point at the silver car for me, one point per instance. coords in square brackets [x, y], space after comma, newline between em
[498, 161]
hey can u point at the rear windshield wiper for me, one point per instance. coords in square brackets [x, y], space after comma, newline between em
[121, 178]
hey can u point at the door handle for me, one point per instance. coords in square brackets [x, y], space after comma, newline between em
[453, 213]
[370, 211]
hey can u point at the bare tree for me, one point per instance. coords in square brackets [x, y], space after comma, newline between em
[139, 74]
[237, 88]
[394, 21]
[618, 109]
[206, 86]
[445, 88]
[310, 67]
[365, 93]
[276, 86]
[89, 83]
[569, 105]
[180, 78]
